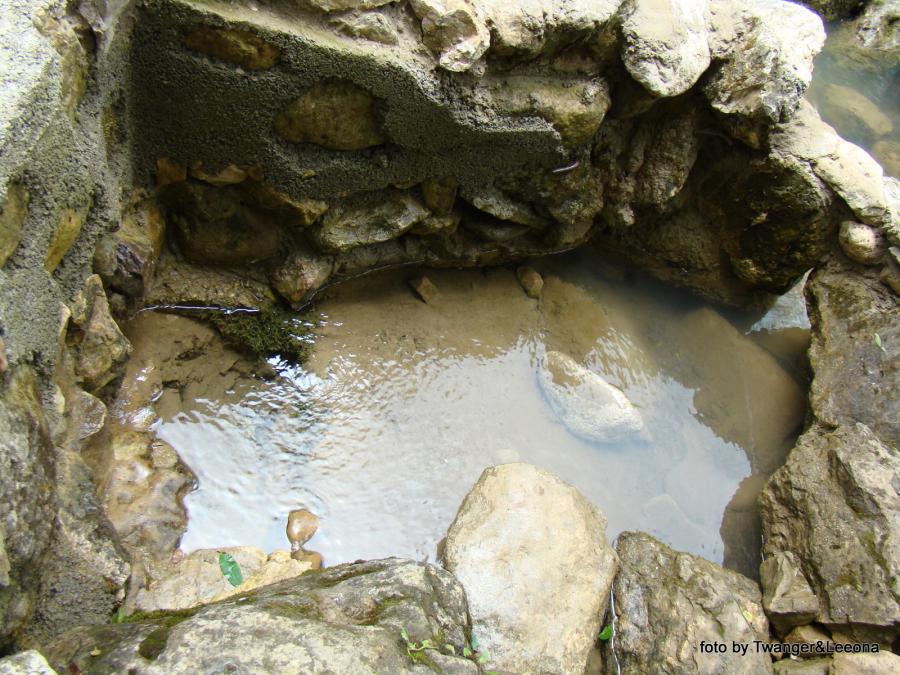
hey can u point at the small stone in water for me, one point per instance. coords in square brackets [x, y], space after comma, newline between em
[314, 558]
[531, 281]
[301, 525]
[423, 287]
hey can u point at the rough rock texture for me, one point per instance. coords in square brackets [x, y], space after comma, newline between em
[586, 403]
[536, 590]
[834, 510]
[345, 619]
[787, 597]
[668, 602]
[862, 243]
[882, 663]
[453, 29]
[29, 662]
[835, 9]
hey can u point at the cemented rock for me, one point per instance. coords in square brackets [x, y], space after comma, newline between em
[367, 25]
[531, 281]
[240, 47]
[787, 597]
[344, 619]
[302, 273]
[586, 403]
[668, 602]
[335, 114]
[834, 506]
[363, 222]
[69, 224]
[666, 43]
[126, 258]
[439, 194]
[30, 662]
[882, 663]
[13, 212]
[455, 30]
[536, 590]
[862, 243]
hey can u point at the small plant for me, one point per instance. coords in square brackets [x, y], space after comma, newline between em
[606, 633]
[230, 569]
[877, 341]
[416, 650]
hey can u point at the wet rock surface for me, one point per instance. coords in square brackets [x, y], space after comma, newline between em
[668, 602]
[536, 593]
[347, 619]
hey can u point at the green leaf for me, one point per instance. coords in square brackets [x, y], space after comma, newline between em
[230, 569]
[467, 652]
[606, 633]
[427, 644]
[878, 344]
[404, 634]
[450, 649]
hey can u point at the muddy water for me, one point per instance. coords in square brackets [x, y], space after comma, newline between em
[403, 404]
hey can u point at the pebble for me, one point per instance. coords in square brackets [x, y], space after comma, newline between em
[301, 526]
[423, 287]
[531, 281]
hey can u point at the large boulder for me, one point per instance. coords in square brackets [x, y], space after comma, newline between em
[668, 604]
[834, 511]
[29, 662]
[587, 404]
[532, 554]
[346, 619]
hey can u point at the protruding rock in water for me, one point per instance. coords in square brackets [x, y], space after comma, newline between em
[424, 288]
[301, 274]
[835, 508]
[787, 597]
[537, 590]
[586, 403]
[532, 282]
[301, 526]
[862, 243]
[345, 619]
[668, 603]
[30, 662]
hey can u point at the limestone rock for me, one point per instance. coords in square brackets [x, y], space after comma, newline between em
[876, 29]
[497, 203]
[787, 597]
[455, 30]
[536, 590]
[531, 281]
[362, 222]
[439, 194]
[853, 368]
[835, 508]
[101, 349]
[345, 5]
[668, 602]
[198, 579]
[68, 227]
[336, 115]
[768, 47]
[301, 274]
[240, 47]
[13, 212]
[666, 44]
[586, 403]
[29, 662]
[882, 663]
[344, 619]
[424, 288]
[126, 258]
[367, 25]
[862, 243]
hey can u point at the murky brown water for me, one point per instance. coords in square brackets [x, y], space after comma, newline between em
[403, 405]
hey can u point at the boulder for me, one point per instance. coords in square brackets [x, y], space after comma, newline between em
[453, 29]
[531, 281]
[30, 662]
[126, 258]
[585, 403]
[532, 555]
[882, 663]
[787, 597]
[855, 351]
[668, 603]
[197, 579]
[344, 619]
[665, 43]
[833, 510]
[301, 274]
[862, 243]
[363, 222]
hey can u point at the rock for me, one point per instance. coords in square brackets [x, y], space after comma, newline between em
[490, 229]
[312, 558]
[876, 29]
[668, 603]
[229, 175]
[198, 579]
[495, 202]
[439, 194]
[665, 44]
[787, 597]
[807, 667]
[299, 212]
[810, 635]
[29, 662]
[586, 403]
[852, 372]
[301, 526]
[345, 5]
[336, 115]
[126, 258]
[366, 25]
[169, 172]
[455, 30]
[741, 530]
[240, 47]
[537, 591]
[101, 349]
[531, 281]
[834, 9]
[437, 225]
[882, 663]
[853, 113]
[69, 224]
[862, 243]
[301, 274]
[768, 47]
[362, 222]
[345, 619]
[835, 508]
[13, 212]
[423, 287]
